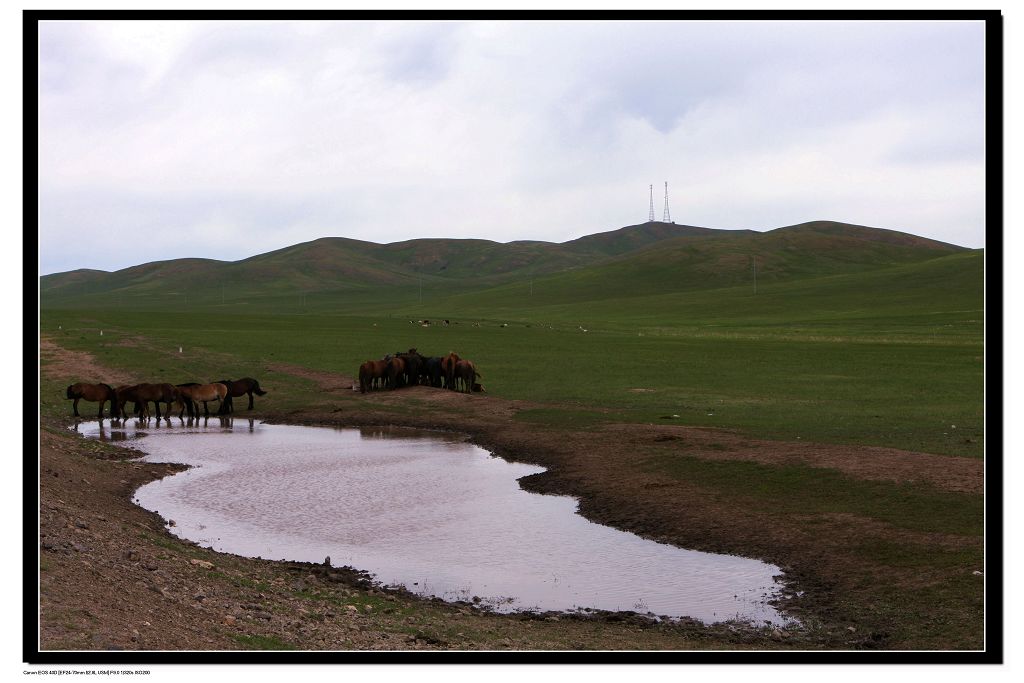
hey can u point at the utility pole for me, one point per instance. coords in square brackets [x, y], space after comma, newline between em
[650, 214]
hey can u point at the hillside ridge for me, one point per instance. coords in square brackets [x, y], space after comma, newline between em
[652, 256]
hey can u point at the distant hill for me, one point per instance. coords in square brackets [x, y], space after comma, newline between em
[650, 258]
[724, 259]
[633, 237]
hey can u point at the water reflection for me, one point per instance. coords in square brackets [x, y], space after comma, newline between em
[433, 513]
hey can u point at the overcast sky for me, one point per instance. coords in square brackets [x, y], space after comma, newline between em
[224, 140]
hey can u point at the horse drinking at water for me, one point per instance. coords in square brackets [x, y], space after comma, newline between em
[195, 394]
[94, 392]
[143, 394]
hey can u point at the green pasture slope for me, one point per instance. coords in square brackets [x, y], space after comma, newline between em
[892, 356]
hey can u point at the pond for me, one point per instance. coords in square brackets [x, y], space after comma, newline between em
[425, 510]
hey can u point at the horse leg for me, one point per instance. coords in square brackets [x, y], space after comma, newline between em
[206, 409]
[101, 409]
[76, 407]
[250, 400]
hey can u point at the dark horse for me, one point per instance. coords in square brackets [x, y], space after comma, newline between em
[415, 365]
[433, 371]
[142, 394]
[240, 387]
[94, 392]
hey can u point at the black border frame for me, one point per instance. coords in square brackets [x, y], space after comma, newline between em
[994, 503]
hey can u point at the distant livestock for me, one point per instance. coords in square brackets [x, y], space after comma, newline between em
[411, 368]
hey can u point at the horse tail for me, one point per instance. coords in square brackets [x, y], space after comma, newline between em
[70, 395]
[256, 389]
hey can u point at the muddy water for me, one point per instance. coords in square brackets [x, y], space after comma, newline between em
[425, 510]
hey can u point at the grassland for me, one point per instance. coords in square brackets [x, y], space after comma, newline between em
[892, 357]
[884, 351]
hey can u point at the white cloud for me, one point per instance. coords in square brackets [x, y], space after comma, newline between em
[232, 138]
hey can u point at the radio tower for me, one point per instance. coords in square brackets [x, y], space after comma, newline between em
[650, 216]
[667, 218]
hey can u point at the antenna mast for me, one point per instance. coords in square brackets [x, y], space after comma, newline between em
[650, 216]
[667, 218]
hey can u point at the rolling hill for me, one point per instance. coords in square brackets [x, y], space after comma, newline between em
[641, 260]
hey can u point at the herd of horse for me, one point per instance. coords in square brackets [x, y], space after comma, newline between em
[395, 370]
[411, 368]
[180, 397]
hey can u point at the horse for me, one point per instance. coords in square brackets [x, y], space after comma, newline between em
[432, 371]
[186, 403]
[369, 373]
[414, 363]
[94, 392]
[202, 393]
[241, 387]
[465, 371]
[448, 369]
[142, 394]
[396, 371]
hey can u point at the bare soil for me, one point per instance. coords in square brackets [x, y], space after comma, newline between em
[111, 577]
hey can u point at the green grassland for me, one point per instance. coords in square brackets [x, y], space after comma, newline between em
[849, 341]
[889, 357]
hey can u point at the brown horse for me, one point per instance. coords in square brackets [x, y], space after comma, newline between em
[94, 392]
[370, 372]
[448, 369]
[143, 394]
[396, 371]
[194, 394]
[240, 387]
[466, 372]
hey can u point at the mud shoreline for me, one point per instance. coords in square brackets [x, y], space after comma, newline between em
[113, 578]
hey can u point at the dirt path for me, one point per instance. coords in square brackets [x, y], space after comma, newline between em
[96, 545]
